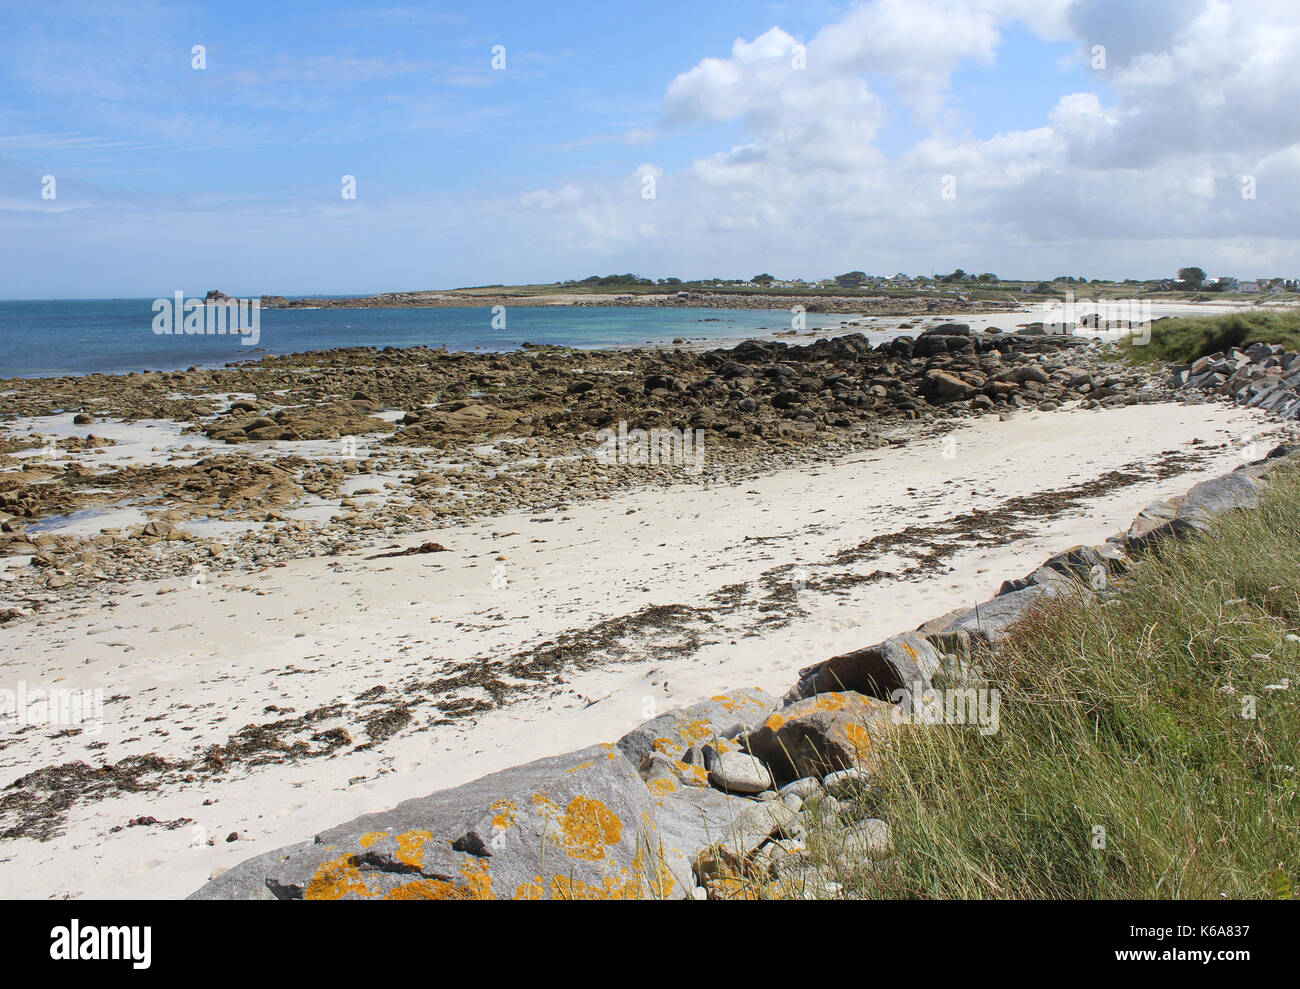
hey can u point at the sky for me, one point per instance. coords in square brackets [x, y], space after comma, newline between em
[150, 147]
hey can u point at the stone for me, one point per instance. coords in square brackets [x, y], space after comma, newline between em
[802, 788]
[1153, 522]
[877, 671]
[576, 826]
[158, 528]
[738, 772]
[948, 329]
[865, 839]
[819, 734]
[756, 823]
[691, 818]
[847, 783]
[663, 773]
[1215, 496]
[992, 620]
[940, 387]
[717, 718]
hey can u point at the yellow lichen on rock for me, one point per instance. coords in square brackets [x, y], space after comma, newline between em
[336, 879]
[504, 814]
[410, 847]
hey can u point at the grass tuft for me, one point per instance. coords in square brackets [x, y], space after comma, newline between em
[1182, 341]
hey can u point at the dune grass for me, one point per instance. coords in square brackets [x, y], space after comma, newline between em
[1145, 749]
[1182, 341]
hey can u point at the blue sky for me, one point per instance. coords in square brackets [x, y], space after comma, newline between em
[170, 177]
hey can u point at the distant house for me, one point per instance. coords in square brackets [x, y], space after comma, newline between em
[1228, 283]
[853, 279]
[1252, 286]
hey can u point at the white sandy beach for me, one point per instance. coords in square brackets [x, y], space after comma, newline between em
[184, 665]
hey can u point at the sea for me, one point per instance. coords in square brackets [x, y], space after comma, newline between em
[43, 338]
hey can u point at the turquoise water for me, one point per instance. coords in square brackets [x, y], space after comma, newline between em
[82, 336]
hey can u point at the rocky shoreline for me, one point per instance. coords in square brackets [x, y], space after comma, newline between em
[314, 454]
[514, 436]
[720, 799]
[868, 304]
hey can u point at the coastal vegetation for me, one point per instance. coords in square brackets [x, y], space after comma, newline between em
[1148, 739]
[1183, 341]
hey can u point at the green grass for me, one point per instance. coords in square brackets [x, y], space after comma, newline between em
[1184, 340]
[1126, 716]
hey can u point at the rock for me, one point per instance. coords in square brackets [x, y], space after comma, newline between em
[664, 774]
[819, 734]
[940, 387]
[847, 783]
[674, 732]
[83, 419]
[690, 819]
[802, 788]
[948, 329]
[1177, 517]
[729, 855]
[738, 772]
[877, 671]
[992, 620]
[576, 826]
[787, 399]
[1024, 373]
[1153, 522]
[865, 839]
[271, 432]
[1215, 496]
[778, 856]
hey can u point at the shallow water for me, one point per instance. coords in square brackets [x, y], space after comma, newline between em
[84, 336]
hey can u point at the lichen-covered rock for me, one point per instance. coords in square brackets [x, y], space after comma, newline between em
[577, 826]
[675, 731]
[663, 774]
[754, 824]
[820, 734]
[899, 662]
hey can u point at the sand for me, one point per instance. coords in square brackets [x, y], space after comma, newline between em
[770, 575]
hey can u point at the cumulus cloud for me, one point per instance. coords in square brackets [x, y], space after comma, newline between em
[1194, 95]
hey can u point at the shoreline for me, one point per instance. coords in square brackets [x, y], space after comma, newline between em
[285, 632]
[879, 325]
[319, 633]
[812, 303]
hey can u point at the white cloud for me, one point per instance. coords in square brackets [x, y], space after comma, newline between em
[1199, 94]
